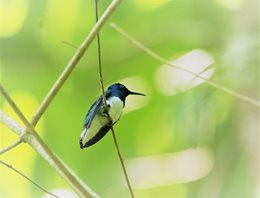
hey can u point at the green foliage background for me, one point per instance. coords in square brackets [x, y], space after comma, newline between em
[33, 56]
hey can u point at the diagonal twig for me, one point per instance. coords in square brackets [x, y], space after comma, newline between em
[167, 62]
[105, 103]
[11, 146]
[24, 176]
[32, 138]
[122, 163]
[11, 124]
[70, 44]
[74, 61]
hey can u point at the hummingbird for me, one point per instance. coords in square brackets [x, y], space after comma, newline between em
[100, 119]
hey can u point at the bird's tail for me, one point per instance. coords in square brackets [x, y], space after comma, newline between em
[82, 138]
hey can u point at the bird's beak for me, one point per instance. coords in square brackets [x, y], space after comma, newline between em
[135, 93]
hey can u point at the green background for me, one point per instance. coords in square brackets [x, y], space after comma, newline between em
[195, 142]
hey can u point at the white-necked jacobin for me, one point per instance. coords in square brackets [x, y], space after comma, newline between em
[97, 123]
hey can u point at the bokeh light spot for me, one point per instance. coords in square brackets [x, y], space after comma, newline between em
[22, 156]
[27, 103]
[64, 193]
[13, 14]
[171, 81]
[176, 168]
[59, 26]
[231, 4]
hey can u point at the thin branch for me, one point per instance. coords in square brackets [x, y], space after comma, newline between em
[70, 44]
[167, 62]
[188, 84]
[99, 59]
[122, 163]
[15, 108]
[24, 176]
[31, 135]
[74, 61]
[11, 124]
[105, 103]
[39, 145]
[11, 146]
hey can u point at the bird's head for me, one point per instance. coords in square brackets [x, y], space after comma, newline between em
[121, 91]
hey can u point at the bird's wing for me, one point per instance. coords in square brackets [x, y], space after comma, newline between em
[99, 135]
[93, 110]
[97, 106]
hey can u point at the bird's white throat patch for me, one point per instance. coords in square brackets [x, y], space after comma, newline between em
[116, 108]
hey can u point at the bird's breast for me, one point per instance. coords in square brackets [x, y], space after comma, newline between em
[116, 106]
